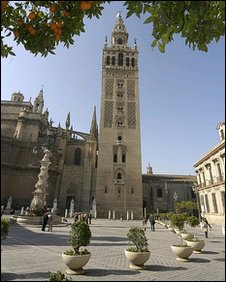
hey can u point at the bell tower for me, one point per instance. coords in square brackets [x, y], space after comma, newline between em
[119, 174]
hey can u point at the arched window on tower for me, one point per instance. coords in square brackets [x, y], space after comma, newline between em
[127, 61]
[133, 62]
[113, 60]
[77, 158]
[120, 59]
[119, 41]
[108, 60]
[119, 175]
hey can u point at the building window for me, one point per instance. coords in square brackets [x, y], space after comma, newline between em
[108, 60]
[119, 41]
[113, 60]
[120, 59]
[207, 204]
[215, 209]
[132, 190]
[123, 158]
[115, 158]
[159, 193]
[105, 189]
[133, 62]
[119, 176]
[77, 158]
[219, 173]
[127, 61]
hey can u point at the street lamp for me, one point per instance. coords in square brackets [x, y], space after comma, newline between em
[175, 196]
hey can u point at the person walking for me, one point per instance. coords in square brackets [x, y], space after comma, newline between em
[45, 220]
[205, 225]
[152, 221]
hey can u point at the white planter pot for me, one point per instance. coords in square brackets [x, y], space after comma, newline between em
[182, 253]
[196, 245]
[186, 236]
[137, 259]
[75, 263]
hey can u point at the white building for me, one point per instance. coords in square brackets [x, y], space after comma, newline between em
[210, 171]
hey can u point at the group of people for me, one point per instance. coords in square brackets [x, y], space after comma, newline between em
[151, 219]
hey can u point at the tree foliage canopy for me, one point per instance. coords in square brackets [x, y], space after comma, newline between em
[41, 25]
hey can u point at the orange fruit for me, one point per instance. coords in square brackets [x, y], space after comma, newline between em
[85, 5]
[66, 13]
[16, 33]
[53, 25]
[19, 21]
[53, 8]
[32, 15]
[59, 24]
[4, 5]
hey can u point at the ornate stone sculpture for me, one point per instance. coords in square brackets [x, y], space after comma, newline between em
[39, 199]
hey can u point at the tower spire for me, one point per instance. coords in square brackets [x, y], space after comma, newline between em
[94, 128]
[119, 34]
[68, 121]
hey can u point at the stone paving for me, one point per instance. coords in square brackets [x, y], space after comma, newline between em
[28, 254]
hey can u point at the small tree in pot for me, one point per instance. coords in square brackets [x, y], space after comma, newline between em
[196, 243]
[181, 250]
[137, 252]
[75, 259]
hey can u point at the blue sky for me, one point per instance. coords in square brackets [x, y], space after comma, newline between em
[181, 92]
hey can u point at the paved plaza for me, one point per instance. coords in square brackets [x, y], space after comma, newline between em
[28, 254]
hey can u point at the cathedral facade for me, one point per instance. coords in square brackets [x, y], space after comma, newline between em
[100, 170]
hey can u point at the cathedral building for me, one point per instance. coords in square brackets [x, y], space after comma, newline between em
[100, 170]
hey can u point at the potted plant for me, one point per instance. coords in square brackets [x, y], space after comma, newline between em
[77, 257]
[137, 252]
[196, 243]
[178, 220]
[58, 276]
[181, 250]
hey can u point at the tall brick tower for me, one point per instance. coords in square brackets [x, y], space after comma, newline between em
[119, 174]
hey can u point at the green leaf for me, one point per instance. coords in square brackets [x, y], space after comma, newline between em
[203, 47]
[165, 38]
[148, 20]
[154, 42]
[161, 47]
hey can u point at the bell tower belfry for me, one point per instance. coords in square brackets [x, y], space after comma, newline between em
[119, 174]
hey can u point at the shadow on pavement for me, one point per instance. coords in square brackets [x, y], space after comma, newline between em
[164, 268]
[7, 276]
[104, 272]
[199, 260]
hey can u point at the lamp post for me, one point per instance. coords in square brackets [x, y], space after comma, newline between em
[195, 190]
[175, 197]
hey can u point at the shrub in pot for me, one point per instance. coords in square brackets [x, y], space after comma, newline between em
[196, 243]
[137, 252]
[77, 257]
[181, 250]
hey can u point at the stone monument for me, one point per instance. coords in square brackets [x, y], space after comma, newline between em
[38, 202]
